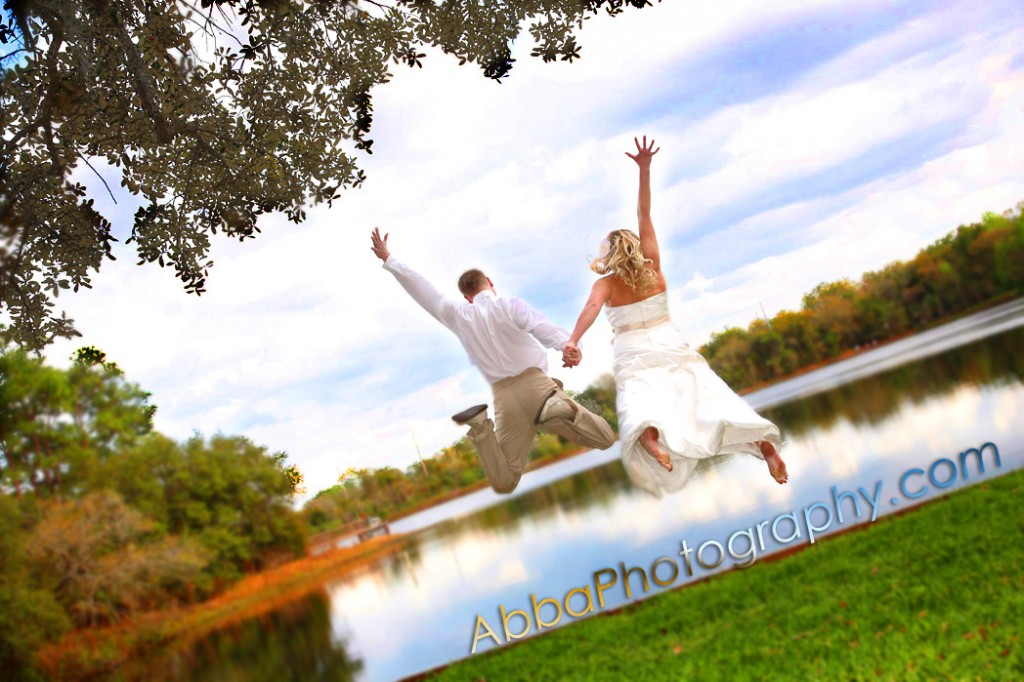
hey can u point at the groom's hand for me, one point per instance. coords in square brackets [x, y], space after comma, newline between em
[380, 245]
[571, 356]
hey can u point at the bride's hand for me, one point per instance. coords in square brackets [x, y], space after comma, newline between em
[571, 355]
[644, 152]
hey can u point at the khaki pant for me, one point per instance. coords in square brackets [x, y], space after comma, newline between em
[503, 450]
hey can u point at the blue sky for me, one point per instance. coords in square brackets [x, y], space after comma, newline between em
[801, 142]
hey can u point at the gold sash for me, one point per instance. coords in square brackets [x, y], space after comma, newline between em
[644, 324]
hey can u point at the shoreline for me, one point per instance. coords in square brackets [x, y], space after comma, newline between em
[853, 352]
[845, 355]
[85, 653]
[459, 492]
[479, 485]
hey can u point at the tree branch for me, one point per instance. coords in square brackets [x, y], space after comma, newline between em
[142, 85]
[11, 54]
[102, 179]
[51, 91]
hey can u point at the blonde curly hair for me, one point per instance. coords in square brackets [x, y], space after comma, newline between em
[625, 258]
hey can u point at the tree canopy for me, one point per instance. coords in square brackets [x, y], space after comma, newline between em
[969, 268]
[57, 426]
[101, 516]
[211, 113]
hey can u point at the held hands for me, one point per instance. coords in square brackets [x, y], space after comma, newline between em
[380, 245]
[571, 355]
[644, 152]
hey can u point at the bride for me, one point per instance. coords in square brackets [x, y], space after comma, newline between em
[673, 409]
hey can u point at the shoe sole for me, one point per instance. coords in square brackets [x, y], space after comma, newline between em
[462, 417]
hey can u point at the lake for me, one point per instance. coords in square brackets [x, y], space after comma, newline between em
[903, 412]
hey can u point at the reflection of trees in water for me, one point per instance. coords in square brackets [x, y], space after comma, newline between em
[597, 487]
[295, 642]
[992, 361]
[989, 362]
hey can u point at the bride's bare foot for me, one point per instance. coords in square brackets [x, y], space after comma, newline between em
[776, 467]
[649, 441]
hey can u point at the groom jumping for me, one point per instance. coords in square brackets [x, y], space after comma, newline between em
[501, 336]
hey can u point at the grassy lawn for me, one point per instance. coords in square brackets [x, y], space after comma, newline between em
[933, 594]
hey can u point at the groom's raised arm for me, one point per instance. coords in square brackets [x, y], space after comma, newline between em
[422, 291]
[417, 286]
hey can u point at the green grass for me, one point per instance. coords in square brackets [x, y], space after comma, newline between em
[936, 593]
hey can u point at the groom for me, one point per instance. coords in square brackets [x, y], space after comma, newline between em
[501, 337]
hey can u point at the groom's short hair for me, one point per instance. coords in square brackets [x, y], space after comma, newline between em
[471, 282]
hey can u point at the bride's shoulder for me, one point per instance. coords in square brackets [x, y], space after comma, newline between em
[603, 285]
[613, 282]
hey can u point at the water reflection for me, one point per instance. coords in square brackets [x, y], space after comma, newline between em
[417, 609]
[994, 361]
[550, 540]
[296, 642]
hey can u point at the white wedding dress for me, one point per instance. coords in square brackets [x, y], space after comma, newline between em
[661, 382]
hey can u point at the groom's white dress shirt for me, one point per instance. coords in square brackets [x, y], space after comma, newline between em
[500, 335]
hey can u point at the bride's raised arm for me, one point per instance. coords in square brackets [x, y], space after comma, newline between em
[648, 240]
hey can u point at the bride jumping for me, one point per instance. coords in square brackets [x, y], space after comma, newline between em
[673, 409]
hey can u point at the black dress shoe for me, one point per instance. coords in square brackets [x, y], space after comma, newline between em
[467, 414]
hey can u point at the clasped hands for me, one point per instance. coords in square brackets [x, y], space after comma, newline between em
[571, 355]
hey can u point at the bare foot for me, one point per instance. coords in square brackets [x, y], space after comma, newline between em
[776, 467]
[649, 441]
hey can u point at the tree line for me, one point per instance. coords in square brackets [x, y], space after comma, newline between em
[101, 516]
[967, 269]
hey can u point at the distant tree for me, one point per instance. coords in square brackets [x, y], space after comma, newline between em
[100, 516]
[882, 307]
[602, 394]
[348, 478]
[834, 309]
[232, 496]
[546, 445]
[292, 476]
[57, 425]
[30, 615]
[770, 353]
[729, 354]
[819, 295]
[976, 264]
[101, 560]
[800, 335]
[212, 113]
